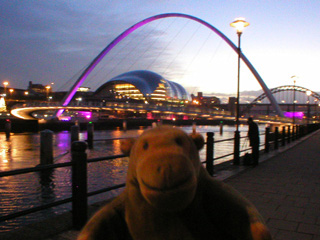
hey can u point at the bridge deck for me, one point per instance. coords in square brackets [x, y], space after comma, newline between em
[284, 188]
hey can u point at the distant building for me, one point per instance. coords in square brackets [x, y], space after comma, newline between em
[141, 85]
[37, 89]
[206, 101]
[232, 105]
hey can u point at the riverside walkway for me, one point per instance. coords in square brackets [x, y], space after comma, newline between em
[285, 188]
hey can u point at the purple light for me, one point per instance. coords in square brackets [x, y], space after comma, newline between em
[299, 115]
[85, 114]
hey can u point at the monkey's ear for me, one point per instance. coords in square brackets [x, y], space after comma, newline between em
[198, 140]
[126, 145]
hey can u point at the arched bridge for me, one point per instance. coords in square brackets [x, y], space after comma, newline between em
[134, 27]
[291, 90]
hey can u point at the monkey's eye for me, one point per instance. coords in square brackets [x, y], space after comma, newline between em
[179, 141]
[145, 146]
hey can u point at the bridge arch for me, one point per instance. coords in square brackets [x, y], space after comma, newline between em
[124, 34]
[284, 88]
[287, 88]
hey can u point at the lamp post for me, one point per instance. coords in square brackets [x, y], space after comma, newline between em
[47, 90]
[11, 90]
[294, 78]
[239, 24]
[308, 113]
[5, 84]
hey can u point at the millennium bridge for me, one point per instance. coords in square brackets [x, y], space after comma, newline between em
[51, 110]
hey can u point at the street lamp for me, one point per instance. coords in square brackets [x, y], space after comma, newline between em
[48, 89]
[239, 24]
[308, 115]
[11, 90]
[294, 78]
[5, 84]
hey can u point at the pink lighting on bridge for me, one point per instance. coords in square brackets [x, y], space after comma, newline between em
[298, 115]
[85, 114]
[124, 34]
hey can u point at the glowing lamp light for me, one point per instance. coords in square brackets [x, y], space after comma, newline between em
[239, 24]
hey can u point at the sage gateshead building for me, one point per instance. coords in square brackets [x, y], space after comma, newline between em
[144, 86]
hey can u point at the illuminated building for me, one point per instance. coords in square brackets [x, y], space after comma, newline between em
[142, 85]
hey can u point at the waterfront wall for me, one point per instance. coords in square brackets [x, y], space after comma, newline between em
[19, 125]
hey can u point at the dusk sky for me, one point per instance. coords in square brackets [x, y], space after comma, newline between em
[52, 41]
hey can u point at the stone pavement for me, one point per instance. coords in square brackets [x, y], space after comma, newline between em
[285, 188]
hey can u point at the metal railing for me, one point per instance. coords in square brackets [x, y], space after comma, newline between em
[79, 163]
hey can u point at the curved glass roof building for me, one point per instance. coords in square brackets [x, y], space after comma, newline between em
[143, 85]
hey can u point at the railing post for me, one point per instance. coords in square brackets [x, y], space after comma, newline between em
[236, 152]
[124, 125]
[90, 130]
[221, 127]
[283, 136]
[276, 137]
[210, 153]
[75, 133]
[293, 133]
[46, 147]
[7, 128]
[267, 140]
[298, 131]
[79, 184]
[289, 134]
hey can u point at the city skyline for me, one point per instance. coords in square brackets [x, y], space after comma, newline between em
[48, 42]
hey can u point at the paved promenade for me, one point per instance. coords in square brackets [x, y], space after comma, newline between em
[285, 188]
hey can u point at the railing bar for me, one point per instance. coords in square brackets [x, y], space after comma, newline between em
[35, 209]
[106, 189]
[223, 140]
[222, 156]
[247, 149]
[34, 169]
[108, 139]
[106, 158]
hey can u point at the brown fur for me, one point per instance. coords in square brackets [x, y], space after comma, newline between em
[169, 195]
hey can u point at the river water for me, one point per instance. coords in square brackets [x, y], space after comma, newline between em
[34, 189]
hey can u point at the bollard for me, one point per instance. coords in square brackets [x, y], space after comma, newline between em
[283, 136]
[7, 128]
[221, 127]
[46, 147]
[75, 133]
[194, 127]
[210, 153]
[276, 137]
[124, 125]
[90, 130]
[236, 151]
[267, 140]
[79, 184]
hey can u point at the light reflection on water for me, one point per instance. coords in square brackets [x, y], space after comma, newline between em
[35, 189]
